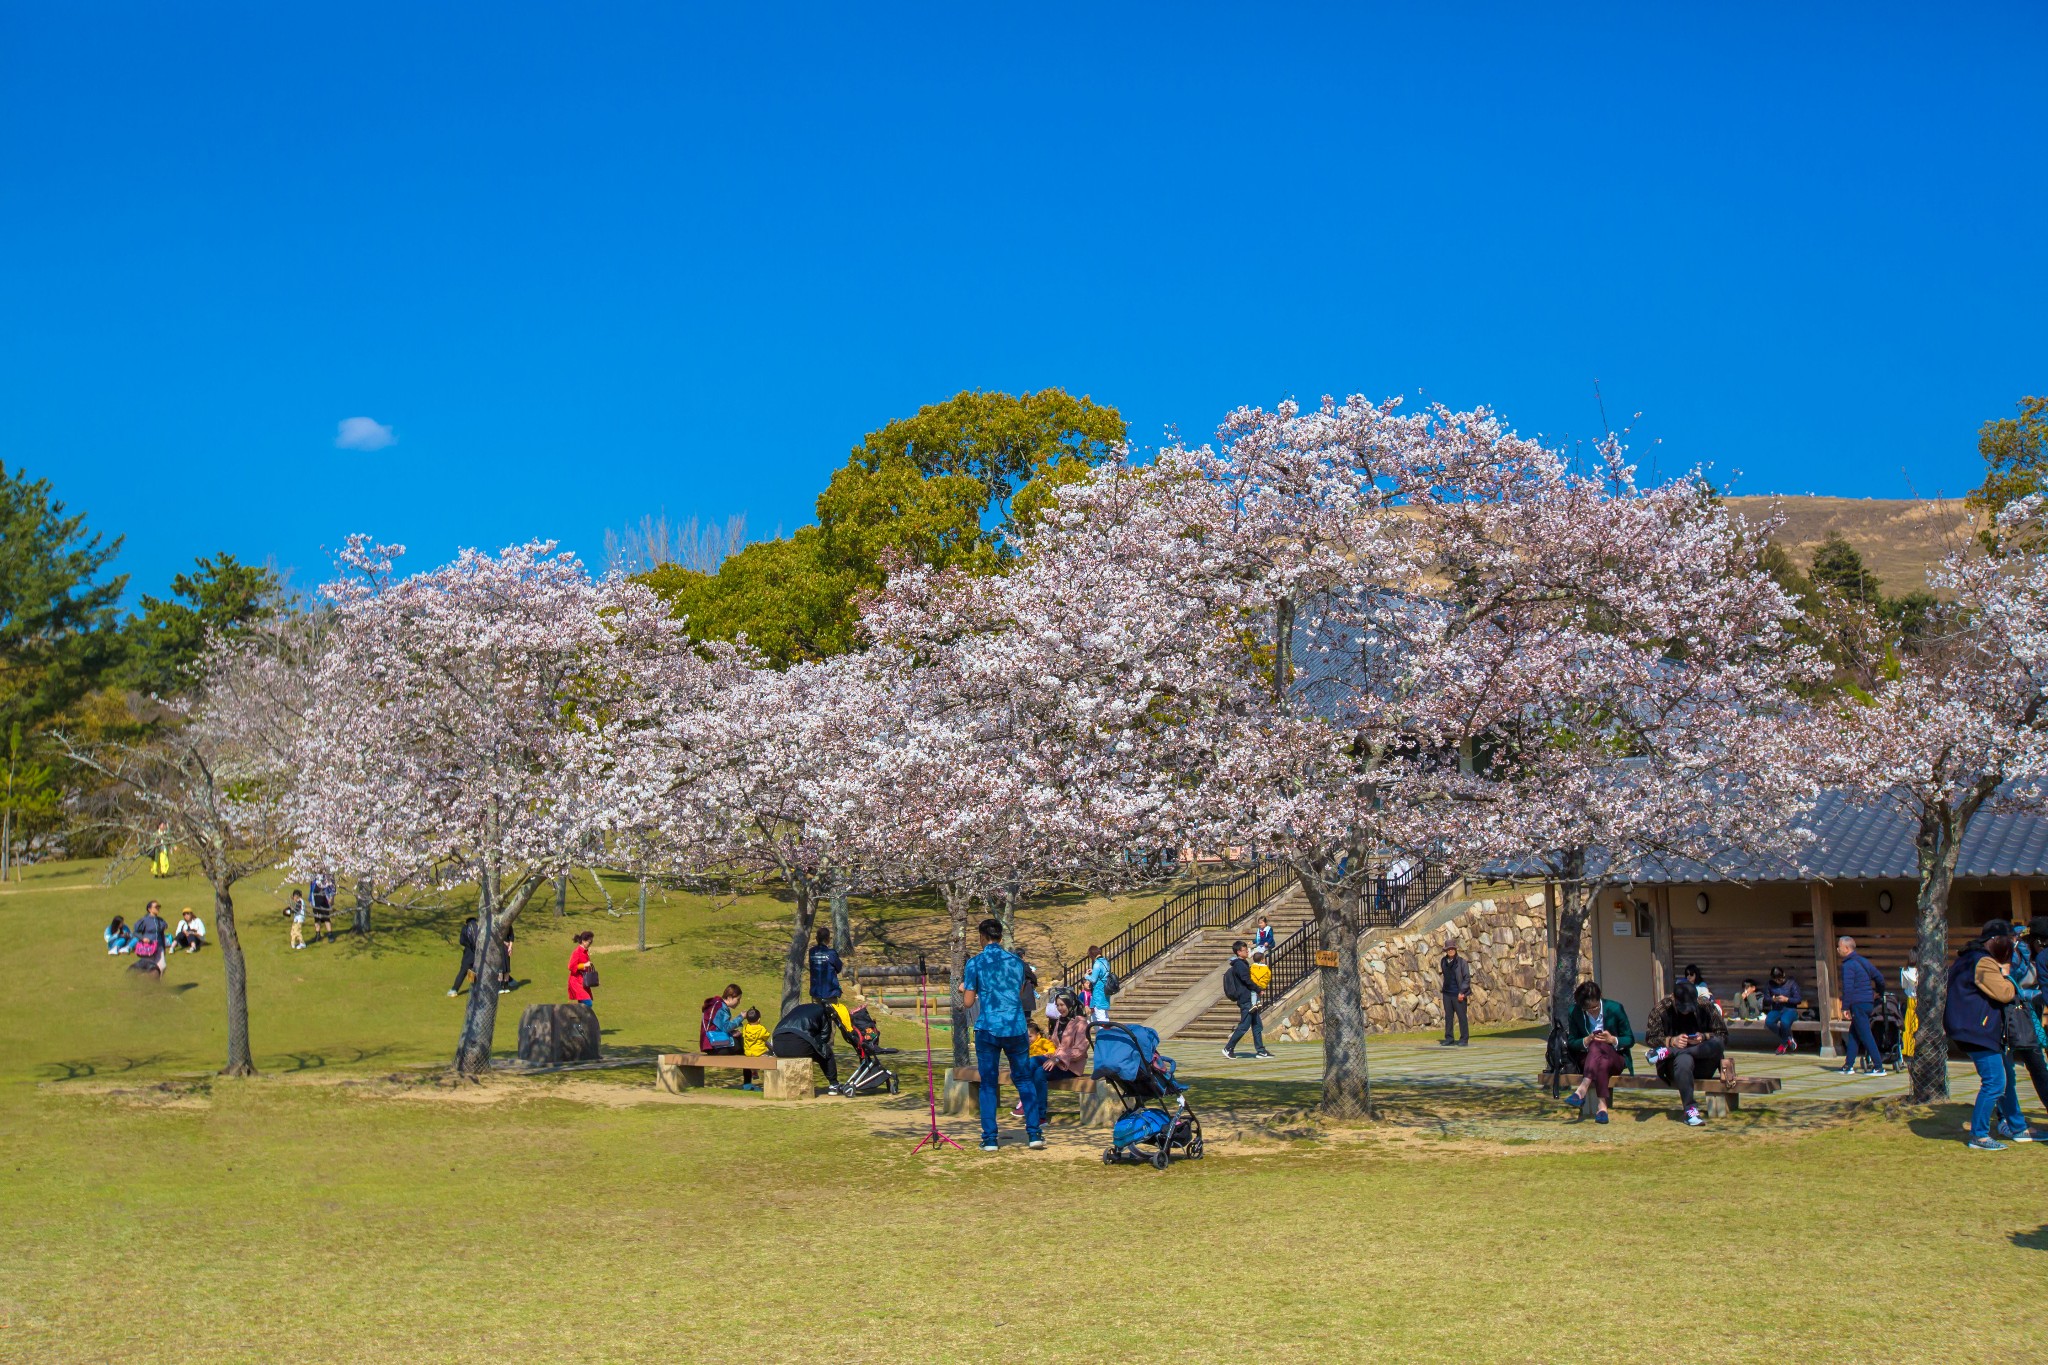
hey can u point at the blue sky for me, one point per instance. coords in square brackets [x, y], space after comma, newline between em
[592, 262]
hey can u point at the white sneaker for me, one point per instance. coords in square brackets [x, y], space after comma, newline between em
[451, 995]
[1693, 1119]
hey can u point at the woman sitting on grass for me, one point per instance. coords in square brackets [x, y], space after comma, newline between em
[119, 939]
[1598, 1037]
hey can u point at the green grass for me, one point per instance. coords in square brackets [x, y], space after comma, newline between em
[323, 1212]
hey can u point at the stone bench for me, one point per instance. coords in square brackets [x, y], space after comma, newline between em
[1717, 1097]
[1099, 1106]
[782, 1078]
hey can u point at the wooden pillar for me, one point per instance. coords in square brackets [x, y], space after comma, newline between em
[2022, 902]
[1824, 963]
[1663, 969]
[1597, 925]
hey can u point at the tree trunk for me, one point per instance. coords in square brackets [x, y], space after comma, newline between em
[363, 889]
[1347, 1082]
[958, 902]
[1575, 899]
[235, 969]
[562, 896]
[643, 915]
[1938, 842]
[1006, 913]
[806, 892]
[842, 921]
[480, 1019]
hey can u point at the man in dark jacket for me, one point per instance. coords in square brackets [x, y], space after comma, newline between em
[1688, 1040]
[468, 966]
[1238, 988]
[824, 964]
[1457, 991]
[1862, 988]
[806, 1031]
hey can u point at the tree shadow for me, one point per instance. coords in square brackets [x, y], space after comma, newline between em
[2037, 1240]
[1942, 1123]
[86, 1070]
[184, 986]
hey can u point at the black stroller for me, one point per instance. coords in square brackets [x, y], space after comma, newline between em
[869, 1076]
[1127, 1056]
[1888, 1028]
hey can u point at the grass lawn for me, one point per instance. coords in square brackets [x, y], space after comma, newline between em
[340, 1207]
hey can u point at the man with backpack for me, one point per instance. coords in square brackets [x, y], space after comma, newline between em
[994, 982]
[824, 967]
[1240, 989]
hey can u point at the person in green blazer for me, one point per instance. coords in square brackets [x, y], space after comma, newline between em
[1598, 1036]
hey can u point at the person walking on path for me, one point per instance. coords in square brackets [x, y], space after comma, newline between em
[993, 984]
[825, 967]
[1979, 989]
[1598, 1038]
[1781, 1009]
[1238, 988]
[1098, 984]
[468, 940]
[1862, 988]
[1457, 995]
[582, 976]
[1691, 1040]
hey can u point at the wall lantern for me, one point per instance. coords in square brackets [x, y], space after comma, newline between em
[1884, 902]
[1700, 902]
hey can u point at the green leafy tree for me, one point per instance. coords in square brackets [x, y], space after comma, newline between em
[953, 487]
[2015, 451]
[58, 639]
[28, 799]
[169, 635]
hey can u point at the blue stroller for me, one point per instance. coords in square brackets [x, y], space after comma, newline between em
[1127, 1056]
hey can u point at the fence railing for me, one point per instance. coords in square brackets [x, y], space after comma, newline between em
[1224, 900]
[1390, 903]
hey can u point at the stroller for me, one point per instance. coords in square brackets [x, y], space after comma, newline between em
[1888, 1028]
[869, 1076]
[1127, 1056]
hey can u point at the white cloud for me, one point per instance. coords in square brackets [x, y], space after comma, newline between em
[363, 433]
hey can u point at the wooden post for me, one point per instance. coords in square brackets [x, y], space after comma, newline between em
[2022, 903]
[1663, 971]
[1824, 963]
[1597, 925]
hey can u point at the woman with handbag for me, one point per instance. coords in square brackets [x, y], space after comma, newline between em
[1977, 1018]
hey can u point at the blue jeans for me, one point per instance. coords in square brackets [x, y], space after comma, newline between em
[1861, 1037]
[1780, 1022]
[1997, 1092]
[1025, 1074]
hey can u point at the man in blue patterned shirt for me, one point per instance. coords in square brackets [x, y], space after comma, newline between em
[994, 980]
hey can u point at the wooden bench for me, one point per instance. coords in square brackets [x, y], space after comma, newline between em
[1098, 1102]
[782, 1078]
[1717, 1097]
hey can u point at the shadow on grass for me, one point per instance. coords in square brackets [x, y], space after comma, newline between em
[87, 1070]
[319, 1061]
[2037, 1240]
[1943, 1123]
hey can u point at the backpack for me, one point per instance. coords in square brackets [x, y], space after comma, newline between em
[1111, 982]
[707, 1036]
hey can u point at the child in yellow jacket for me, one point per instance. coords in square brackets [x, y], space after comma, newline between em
[754, 1043]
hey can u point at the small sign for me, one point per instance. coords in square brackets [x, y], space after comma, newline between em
[1326, 957]
[1623, 929]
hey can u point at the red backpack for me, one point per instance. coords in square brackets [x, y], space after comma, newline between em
[707, 1036]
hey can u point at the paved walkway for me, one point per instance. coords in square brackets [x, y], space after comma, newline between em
[1514, 1062]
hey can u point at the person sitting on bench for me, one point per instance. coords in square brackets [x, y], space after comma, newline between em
[1690, 1038]
[806, 1031]
[1781, 1008]
[1069, 1057]
[1598, 1039]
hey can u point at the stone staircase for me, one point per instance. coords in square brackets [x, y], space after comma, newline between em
[1288, 913]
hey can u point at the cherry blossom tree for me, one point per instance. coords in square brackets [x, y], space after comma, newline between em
[1957, 726]
[1303, 639]
[214, 775]
[471, 725]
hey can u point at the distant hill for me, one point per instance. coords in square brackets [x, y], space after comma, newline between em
[1900, 538]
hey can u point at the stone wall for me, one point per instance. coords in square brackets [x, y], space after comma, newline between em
[1503, 937]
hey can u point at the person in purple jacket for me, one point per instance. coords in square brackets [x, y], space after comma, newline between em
[1862, 988]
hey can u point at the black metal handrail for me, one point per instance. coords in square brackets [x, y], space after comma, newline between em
[1224, 900]
[1390, 903]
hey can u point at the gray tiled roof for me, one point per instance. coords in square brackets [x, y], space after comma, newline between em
[1855, 841]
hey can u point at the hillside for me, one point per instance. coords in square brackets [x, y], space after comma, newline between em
[1900, 538]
